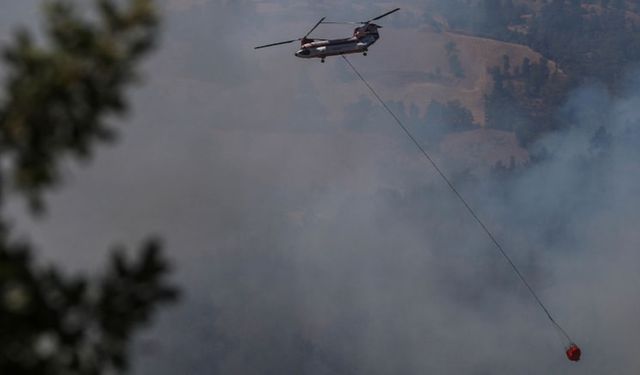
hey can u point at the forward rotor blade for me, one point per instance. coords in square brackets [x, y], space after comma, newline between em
[344, 23]
[277, 44]
[314, 27]
[384, 15]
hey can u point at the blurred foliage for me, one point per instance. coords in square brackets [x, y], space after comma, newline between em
[58, 95]
[54, 324]
[53, 109]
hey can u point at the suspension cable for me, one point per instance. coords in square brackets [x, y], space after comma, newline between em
[464, 202]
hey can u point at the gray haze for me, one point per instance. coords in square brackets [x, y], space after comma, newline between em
[309, 235]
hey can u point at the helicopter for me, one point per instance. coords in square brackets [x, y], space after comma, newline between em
[364, 36]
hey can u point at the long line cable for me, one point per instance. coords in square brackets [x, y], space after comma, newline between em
[464, 202]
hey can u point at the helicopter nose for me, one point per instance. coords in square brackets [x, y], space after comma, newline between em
[303, 53]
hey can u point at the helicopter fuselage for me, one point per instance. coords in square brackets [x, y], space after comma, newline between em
[364, 36]
[359, 43]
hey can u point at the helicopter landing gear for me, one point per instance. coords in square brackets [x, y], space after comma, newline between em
[322, 60]
[364, 53]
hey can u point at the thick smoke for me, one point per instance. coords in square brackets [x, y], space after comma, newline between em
[311, 237]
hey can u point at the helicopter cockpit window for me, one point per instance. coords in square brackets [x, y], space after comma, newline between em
[305, 52]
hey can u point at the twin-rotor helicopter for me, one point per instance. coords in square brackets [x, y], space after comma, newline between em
[364, 36]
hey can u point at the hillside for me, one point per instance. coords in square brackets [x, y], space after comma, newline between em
[510, 64]
[412, 85]
[412, 81]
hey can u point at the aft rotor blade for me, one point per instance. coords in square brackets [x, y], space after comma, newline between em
[276, 44]
[384, 15]
[314, 27]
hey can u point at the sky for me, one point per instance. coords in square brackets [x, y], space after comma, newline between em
[310, 236]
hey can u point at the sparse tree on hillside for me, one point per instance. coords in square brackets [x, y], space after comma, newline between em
[452, 116]
[455, 65]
